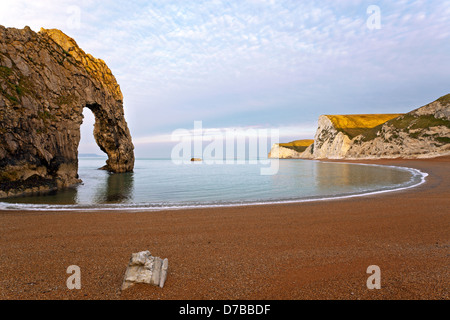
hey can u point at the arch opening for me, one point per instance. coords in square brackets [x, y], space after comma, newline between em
[88, 147]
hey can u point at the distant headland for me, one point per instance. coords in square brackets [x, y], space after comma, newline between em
[89, 155]
[422, 133]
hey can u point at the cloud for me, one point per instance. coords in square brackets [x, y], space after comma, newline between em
[258, 62]
[304, 130]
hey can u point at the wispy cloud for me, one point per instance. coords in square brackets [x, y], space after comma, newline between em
[304, 130]
[258, 62]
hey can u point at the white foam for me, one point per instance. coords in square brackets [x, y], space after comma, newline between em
[164, 207]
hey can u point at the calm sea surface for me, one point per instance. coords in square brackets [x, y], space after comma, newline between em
[159, 184]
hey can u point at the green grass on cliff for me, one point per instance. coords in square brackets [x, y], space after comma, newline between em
[66, 99]
[11, 98]
[46, 116]
[445, 99]
[14, 89]
[298, 145]
[5, 72]
[443, 140]
[370, 129]
[409, 122]
[358, 124]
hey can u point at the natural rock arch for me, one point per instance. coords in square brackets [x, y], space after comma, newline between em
[45, 82]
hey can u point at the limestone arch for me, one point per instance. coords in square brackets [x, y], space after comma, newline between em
[46, 81]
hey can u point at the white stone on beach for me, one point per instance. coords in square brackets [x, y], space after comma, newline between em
[144, 268]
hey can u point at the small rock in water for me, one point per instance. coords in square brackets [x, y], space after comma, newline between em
[144, 268]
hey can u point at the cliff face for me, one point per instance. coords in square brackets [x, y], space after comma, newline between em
[45, 82]
[291, 150]
[329, 142]
[335, 133]
[279, 152]
[422, 133]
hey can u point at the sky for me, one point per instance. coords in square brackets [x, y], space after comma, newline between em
[261, 64]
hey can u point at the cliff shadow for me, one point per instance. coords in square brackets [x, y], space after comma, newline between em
[118, 188]
[67, 196]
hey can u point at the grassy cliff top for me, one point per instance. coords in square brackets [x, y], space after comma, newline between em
[298, 145]
[354, 125]
[360, 120]
[445, 99]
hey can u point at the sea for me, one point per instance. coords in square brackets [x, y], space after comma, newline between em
[160, 184]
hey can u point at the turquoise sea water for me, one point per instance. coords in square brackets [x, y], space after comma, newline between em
[159, 184]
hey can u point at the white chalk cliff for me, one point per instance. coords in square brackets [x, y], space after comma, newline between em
[280, 152]
[422, 133]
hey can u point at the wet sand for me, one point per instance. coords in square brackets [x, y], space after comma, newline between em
[317, 250]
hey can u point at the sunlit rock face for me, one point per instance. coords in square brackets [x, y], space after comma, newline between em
[292, 150]
[45, 82]
[421, 133]
[280, 152]
[329, 142]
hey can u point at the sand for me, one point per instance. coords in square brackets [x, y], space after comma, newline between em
[317, 250]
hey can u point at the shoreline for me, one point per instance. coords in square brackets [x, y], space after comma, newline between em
[309, 250]
[125, 208]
